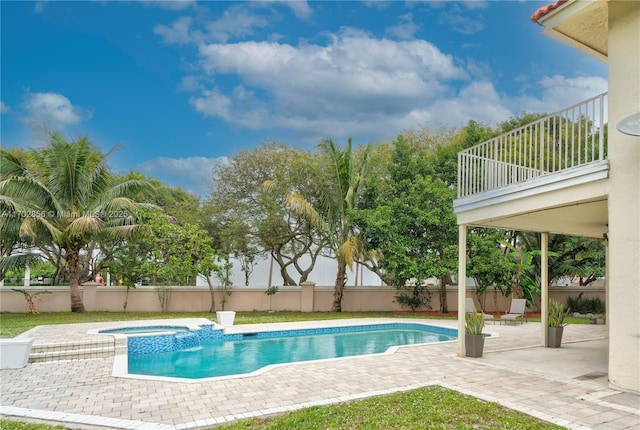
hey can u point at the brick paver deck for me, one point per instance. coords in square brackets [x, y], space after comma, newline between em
[514, 371]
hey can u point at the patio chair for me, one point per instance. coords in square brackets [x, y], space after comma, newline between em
[517, 310]
[470, 306]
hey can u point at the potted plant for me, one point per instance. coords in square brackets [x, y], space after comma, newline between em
[556, 323]
[474, 339]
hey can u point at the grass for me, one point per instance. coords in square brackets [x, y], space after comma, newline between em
[13, 324]
[431, 407]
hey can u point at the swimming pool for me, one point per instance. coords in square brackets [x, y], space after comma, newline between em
[236, 354]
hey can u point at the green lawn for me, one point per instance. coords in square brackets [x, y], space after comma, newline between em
[12, 324]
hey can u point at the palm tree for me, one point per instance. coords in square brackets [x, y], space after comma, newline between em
[337, 192]
[64, 195]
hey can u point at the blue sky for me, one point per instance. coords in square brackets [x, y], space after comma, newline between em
[180, 85]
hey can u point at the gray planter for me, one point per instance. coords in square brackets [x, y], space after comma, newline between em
[474, 344]
[554, 336]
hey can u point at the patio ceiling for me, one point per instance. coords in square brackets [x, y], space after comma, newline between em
[586, 218]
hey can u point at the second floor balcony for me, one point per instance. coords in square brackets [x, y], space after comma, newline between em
[560, 150]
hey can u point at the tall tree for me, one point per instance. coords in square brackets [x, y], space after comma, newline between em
[249, 207]
[569, 256]
[489, 263]
[66, 197]
[410, 222]
[339, 175]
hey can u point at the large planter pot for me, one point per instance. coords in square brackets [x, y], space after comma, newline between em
[225, 318]
[554, 336]
[14, 353]
[474, 344]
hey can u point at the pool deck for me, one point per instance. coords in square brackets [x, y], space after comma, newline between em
[566, 386]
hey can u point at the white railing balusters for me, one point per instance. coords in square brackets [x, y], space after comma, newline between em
[565, 139]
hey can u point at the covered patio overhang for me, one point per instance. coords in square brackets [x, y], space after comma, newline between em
[581, 210]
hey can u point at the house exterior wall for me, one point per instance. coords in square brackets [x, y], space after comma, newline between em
[624, 198]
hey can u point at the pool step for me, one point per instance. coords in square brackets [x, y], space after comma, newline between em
[80, 350]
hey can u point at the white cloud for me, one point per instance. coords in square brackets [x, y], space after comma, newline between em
[179, 32]
[559, 92]
[356, 82]
[52, 109]
[191, 173]
[300, 8]
[352, 84]
[236, 21]
[4, 108]
[405, 29]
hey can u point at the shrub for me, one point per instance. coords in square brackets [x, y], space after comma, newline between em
[416, 296]
[590, 305]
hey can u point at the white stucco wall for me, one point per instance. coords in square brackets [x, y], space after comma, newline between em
[623, 315]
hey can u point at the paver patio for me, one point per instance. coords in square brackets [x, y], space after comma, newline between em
[566, 386]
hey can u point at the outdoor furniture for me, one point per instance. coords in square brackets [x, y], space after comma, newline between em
[470, 306]
[517, 309]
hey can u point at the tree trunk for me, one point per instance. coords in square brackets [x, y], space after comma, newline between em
[341, 280]
[73, 270]
[212, 308]
[444, 308]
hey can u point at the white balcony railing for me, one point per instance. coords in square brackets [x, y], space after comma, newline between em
[563, 140]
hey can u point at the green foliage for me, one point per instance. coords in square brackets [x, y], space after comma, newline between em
[588, 305]
[414, 296]
[488, 263]
[63, 196]
[164, 251]
[557, 314]
[271, 290]
[338, 177]
[251, 214]
[568, 257]
[408, 225]
[474, 322]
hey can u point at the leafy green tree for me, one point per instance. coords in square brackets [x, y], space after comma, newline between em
[248, 205]
[176, 202]
[411, 223]
[489, 263]
[165, 253]
[568, 257]
[339, 175]
[65, 196]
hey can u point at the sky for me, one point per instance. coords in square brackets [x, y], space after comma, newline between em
[179, 86]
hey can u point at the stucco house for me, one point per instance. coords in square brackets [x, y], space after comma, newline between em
[560, 174]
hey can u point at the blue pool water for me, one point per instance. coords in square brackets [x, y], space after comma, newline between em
[238, 354]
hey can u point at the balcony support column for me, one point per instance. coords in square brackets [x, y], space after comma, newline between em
[544, 285]
[462, 285]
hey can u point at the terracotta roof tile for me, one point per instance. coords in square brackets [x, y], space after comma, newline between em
[544, 10]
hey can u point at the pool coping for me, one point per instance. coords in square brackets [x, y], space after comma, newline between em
[121, 365]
